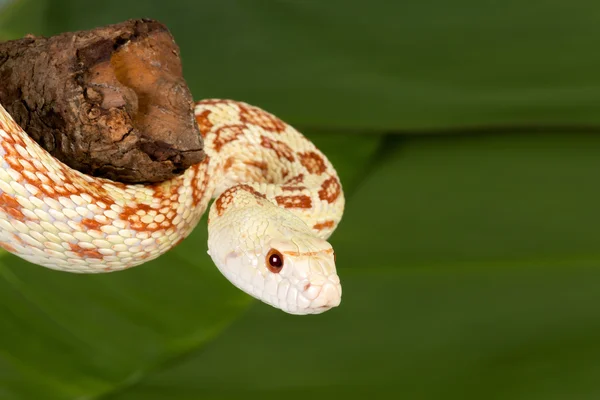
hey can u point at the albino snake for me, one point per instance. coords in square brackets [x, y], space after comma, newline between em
[278, 199]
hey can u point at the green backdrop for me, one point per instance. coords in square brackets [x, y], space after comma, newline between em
[465, 136]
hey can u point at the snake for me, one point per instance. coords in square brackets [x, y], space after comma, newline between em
[276, 199]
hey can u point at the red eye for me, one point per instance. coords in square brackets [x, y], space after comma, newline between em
[274, 261]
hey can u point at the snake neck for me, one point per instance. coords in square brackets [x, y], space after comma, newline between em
[247, 146]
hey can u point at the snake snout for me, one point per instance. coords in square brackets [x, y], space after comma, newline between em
[319, 285]
[323, 293]
[330, 295]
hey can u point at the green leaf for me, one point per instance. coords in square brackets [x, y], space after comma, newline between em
[467, 273]
[469, 263]
[524, 334]
[477, 199]
[76, 336]
[20, 17]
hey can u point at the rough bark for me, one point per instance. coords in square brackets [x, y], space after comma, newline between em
[110, 102]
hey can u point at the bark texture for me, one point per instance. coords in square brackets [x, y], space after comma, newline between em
[109, 102]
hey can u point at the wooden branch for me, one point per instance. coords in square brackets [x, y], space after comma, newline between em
[110, 102]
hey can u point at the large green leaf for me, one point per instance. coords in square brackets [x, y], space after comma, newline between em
[469, 263]
[523, 334]
[466, 265]
[470, 270]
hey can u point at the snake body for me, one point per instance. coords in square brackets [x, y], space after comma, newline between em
[277, 200]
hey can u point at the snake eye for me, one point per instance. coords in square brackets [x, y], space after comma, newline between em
[274, 261]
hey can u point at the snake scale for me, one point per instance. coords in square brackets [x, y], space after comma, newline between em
[277, 200]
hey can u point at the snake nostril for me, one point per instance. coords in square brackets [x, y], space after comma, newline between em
[307, 286]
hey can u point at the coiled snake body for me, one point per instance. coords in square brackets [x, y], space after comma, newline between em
[277, 199]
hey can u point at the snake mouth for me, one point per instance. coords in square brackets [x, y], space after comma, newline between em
[320, 310]
[318, 298]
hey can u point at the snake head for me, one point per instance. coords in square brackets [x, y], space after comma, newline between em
[301, 276]
[288, 269]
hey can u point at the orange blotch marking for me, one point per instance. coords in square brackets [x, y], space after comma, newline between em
[11, 206]
[324, 225]
[204, 124]
[299, 201]
[330, 190]
[85, 253]
[313, 162]
[226, 198]
[229, 163]
[8, 247]
[248, 189]
[255, 116]
[130, 215]
[227, 134]
[281, 149]
[258, 164]
[256, 194]
[295, 180]
[91, 224]
[165, 190]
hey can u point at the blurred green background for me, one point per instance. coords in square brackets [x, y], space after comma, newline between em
[465, 136]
